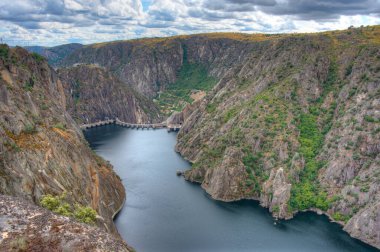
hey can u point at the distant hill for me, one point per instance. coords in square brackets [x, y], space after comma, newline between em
[55, 54]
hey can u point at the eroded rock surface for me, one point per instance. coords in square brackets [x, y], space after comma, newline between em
[94, 94]
[42, 149]
[27, 227]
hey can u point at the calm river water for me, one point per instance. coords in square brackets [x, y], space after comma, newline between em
[165, 213]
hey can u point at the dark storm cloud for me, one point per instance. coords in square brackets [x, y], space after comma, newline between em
[324, 9]
[254, 2]
[308, 10]
[210, 15]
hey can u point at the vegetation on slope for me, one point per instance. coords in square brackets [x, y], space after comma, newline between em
[306, 103]
[60, 205]
[191, 78]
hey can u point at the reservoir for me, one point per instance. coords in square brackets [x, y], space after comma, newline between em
[164, 212]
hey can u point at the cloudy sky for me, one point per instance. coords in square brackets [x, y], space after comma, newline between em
[53, 22]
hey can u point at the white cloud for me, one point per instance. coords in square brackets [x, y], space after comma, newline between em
[52, 22]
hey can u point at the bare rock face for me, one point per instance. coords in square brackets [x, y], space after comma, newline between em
[27, 227]
[94, 94]
[54, 54]
[42, 150]
[365, 225]
[181, 117]
[276, 193]
[150, 65]
[218, 183]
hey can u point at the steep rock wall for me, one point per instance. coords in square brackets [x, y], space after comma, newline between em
[42, 150]
[303, 112]
[93, 94]
[150, 65]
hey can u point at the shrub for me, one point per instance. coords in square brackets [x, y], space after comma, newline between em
[369, 118]
[58, 204]
[29, 85]
[364, 77]
[349, 69]
[4, 51]
[211, 107]
[37, 57]
[340, 217]
[85, 214]
[30, 129]
[230, 114]
[276, 209]
[64, 209]
[50, 202]
[60, 126]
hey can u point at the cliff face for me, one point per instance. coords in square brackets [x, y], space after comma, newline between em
[42, 150]
[151, 65]
[55, 54]
[93, 94]
[295, 124]
[27, 227]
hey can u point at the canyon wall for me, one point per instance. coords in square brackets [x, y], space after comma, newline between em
[295, 125]
[94, 94]
[42, 149]
[150, 65]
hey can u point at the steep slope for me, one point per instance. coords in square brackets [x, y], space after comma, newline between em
[295, 124]
[152, 65]
[93, 94]
[42, 150]
[54, 54]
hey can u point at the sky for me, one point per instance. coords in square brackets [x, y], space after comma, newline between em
[55, 22]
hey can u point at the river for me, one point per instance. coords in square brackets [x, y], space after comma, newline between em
[163, 212]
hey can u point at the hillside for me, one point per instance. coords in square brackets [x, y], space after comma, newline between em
[42, 149]
[295, 125]
[93, 94]
[166, 70]
[54, 54]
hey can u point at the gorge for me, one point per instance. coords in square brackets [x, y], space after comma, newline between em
[289, 120]
[163, 212]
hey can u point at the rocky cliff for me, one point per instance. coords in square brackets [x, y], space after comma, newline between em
[42, 150]
[55, 54]
[152, 65]
[94, 94]
[294, 123]
[27, 227]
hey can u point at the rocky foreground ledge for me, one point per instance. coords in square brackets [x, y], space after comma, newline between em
[27, 227]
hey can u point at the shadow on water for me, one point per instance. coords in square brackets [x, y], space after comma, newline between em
[163, 212]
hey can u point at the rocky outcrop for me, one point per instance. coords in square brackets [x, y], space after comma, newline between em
[93, 94]
[27, 227]
[180, 117]
[217, 182]
[308, 104]
[365, 225]
[276, 193]
[42, 150]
